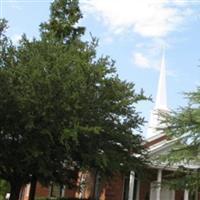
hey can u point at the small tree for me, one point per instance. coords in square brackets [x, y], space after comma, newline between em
[184, 124]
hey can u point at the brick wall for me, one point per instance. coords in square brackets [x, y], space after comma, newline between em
[41, 191]
[114, 189]
[144, 192]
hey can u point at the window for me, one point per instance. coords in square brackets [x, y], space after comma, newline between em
[126, 187]
[56, 190]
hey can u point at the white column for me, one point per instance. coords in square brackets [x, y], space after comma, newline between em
[82, 186]
[159, 180]
[131, 185]
[196, 195]
[63, 191]
[27, 190]
[186, 194]
[173, 194]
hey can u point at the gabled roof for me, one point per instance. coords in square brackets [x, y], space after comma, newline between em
[160, 145]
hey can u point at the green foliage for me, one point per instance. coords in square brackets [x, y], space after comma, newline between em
[184, 124]
[7, 50]
[61, 199]
[61, 26]
[63, 109]
[4, 188]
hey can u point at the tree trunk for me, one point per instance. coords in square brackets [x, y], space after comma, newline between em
[15, 189]
[33, 188]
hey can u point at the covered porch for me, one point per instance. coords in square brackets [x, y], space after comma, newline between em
[155, 189]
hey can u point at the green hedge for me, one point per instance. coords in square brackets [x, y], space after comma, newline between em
[44, 198]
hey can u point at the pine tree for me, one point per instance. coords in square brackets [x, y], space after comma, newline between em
[184, 124]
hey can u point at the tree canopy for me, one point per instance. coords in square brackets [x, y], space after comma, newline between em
[62, 108]
[184, 125]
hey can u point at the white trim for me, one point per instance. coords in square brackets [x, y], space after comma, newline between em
[159, 146]
[150, 139]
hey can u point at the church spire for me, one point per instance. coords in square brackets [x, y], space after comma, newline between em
[161, 100]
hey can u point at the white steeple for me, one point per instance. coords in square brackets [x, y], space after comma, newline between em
[161, 98]
[161, 101]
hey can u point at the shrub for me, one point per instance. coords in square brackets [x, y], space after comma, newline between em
[53, 198]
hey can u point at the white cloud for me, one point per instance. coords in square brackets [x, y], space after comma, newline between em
[16, 5]
[148, 18]
[16, 38]
[197, 83]
[149, 61]
[107, 40]
[140, 60]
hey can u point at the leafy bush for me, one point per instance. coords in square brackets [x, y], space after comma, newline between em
[4, 188]
[52, 198]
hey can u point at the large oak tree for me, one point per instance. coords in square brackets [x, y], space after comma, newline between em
[62, 108]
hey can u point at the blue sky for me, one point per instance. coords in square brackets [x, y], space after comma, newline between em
[132, 32]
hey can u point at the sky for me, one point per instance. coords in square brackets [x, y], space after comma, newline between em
[133, 33]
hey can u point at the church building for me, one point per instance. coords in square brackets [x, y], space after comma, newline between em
[158, 144]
